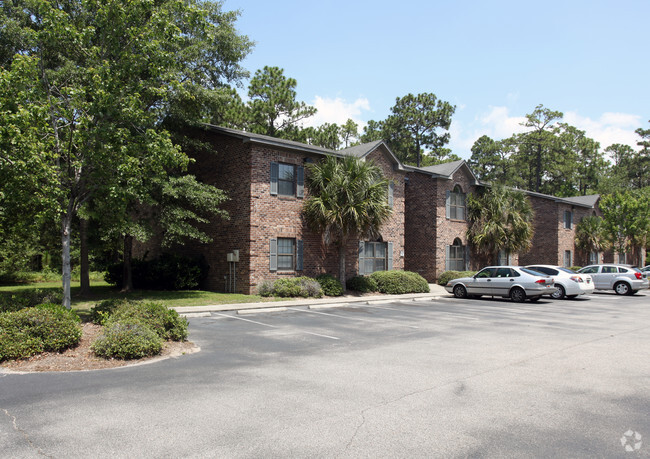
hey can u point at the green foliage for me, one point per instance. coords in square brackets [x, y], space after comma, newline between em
[591, 235]
[273, 109]
[362, 284]
[347, 197]
[100, 313]
[331, 285]
[446, 276]
[27, 299]
[60, 311]
[499, 219]
[168, 272]
[399, 282]
[33, 330]
[165, 322]
[291, 287]
[129, 339]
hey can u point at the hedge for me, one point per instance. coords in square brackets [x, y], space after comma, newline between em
[129, 339]
[15, 301]
[446, 276]
[399, 282]
[362, 284]
[290, 287]
[331, 285]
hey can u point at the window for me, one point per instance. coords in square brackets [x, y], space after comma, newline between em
[285, 254]
[456, 256]
[568, 219]
[455, 204]
[391, 193]
[375, 256]
[609, 269]
[593, 258]
[622, 258]
[287, 180]
[567, 258]
[503, 258]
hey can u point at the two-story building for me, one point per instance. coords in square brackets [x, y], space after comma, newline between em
[266, 237]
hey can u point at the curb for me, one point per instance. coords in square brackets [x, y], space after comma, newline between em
[277, 306]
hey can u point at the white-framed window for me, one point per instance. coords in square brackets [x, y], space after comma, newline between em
[287, 180]
[593, 258]
[456, 256]
[455, 204]
[503, 257]
[568, 219]
[285, 254]
[568, 259]
[375, 256]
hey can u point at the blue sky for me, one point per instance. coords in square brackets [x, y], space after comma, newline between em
[494, 60]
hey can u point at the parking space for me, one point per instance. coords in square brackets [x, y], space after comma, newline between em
[443, 378]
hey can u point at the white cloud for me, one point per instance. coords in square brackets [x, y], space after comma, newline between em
[338, 111]
[609, 128]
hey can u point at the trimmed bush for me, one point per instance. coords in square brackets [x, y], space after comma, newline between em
[265, 288]
[28, 299]
[446, 276]
[129, 339]
[167, 272]
[362, 284]
[330, 285]
[32, 330]
[166, 323]
[399, 282]
[100, 313]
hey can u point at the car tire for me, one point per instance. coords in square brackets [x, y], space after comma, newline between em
[622, 288]
[534, 299]
[632, 292]
[559, 293]
[517, 295]
[572, 297]
[460, 291]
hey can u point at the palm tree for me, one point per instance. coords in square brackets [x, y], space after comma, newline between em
[500, 218]
[591, 235]
[348, 199]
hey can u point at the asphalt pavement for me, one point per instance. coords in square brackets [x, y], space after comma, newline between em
[395, 378]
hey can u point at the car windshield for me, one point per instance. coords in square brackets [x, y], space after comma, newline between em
[533, 273]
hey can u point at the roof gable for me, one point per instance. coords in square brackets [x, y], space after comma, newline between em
[446, 170]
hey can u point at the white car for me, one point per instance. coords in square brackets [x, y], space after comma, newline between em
[569, 283]
[623, 279]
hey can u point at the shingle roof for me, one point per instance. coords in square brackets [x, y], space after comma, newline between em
[361, 150]
[589, 200]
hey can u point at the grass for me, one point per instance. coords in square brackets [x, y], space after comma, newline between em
[100, 291]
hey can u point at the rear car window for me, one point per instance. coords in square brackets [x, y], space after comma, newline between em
[533, 273]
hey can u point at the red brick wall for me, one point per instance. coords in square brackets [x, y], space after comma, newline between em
[545, 238]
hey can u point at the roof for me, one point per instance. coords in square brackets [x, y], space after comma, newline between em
[359, 151]
[581, 201]
[445, 170]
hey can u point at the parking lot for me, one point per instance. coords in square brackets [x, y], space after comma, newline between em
[444, 378]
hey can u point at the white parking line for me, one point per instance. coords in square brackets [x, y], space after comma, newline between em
[273, 326]
[352, 318]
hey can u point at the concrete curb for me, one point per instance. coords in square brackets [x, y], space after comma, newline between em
[437, 292]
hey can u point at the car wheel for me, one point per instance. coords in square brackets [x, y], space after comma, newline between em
[517, 295]
[633, 292]
[621, 288]
[460, 291]
[571, 297]
[558, 293]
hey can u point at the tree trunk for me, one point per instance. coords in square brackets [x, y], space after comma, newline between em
[342, 265]
[84, 270]
[127, 274]
[65, 257]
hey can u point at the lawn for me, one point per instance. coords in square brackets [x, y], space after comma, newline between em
[100, 290]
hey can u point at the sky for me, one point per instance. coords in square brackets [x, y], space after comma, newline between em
[494, 60]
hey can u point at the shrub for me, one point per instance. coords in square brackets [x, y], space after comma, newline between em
[575, 268]
[310, 288]
[28, 298]
[32, 330]
[100, 313]
[446, 276]
[399, 282]
[330, 285]
[363, 284]
[265, 288]
[128, 339]
[166, 323]
[60, 310]
[167, 272]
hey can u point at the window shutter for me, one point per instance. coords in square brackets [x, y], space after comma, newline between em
[273, 255]
[275, 172]
[447, 255]
[362, 258]
[299, 255]
[300, 181]
[389, 250]
[391, 192]
[570, 220]
[448, 204]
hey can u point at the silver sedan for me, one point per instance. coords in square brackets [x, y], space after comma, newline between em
[512, 282]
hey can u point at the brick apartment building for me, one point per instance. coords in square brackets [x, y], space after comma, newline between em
[264, 178]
